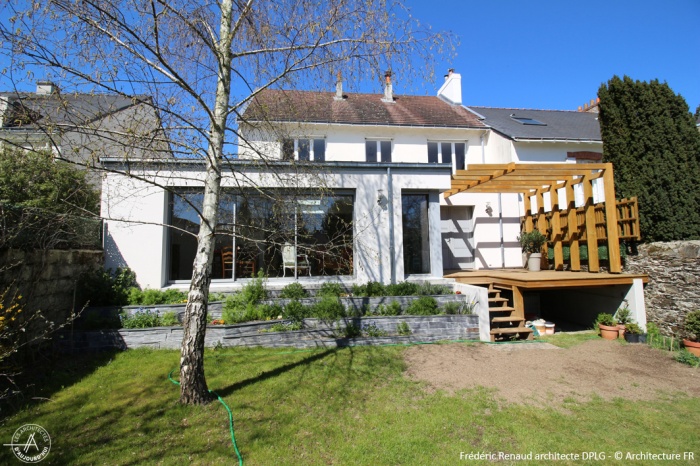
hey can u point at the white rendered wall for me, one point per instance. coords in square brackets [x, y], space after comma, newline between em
[487, 228]
[497, 149]
[346, 143]
[548, 152]
[134, 213]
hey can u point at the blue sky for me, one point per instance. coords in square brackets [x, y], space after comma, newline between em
[555, 54]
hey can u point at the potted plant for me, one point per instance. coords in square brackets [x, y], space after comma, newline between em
[692, 332]
[532, 243]
[607, 326]
[623, 317]
[634, 334]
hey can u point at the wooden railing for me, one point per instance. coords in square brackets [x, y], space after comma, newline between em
[627, 222]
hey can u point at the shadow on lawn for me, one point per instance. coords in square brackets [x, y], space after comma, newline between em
[274, 372]
[42, 372]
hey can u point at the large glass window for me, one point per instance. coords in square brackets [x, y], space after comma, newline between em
[280, 234]
[416, 240]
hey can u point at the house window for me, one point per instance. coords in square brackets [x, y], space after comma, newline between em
[452, 153]
[378, 151]
[416, 240]
[304, 149]
[260, 233]
[185, 211]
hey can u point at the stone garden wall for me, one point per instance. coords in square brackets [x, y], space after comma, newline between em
[46, 278]
[674, 281]
[315, 333]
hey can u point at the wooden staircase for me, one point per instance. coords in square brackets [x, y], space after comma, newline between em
[506, 323]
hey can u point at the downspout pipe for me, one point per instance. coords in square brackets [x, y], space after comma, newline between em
[390, 193]
[500, 229]
[483, 148]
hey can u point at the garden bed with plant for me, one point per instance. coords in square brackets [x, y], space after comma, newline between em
[372, 313]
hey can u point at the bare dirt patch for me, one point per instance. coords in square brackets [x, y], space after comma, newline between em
[539, 372]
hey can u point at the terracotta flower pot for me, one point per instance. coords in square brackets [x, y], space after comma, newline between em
[608, 332]
[692, 346]
[621, 330]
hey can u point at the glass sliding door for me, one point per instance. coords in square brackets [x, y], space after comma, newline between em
[416, 240]
[294, 235]
[262, 227]
[185, 208]
[325, 233]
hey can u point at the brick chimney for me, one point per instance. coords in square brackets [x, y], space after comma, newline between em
[388, 89]
[591, 107]
[451, 90]
[339, 88]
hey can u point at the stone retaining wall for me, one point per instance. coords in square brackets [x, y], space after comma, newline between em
[314, 334]
[674, 281]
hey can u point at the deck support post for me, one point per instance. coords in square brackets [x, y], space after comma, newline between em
[556, 230]
[518, 303]
[591, 234]
[572, 220]
[614, 260]
[528, 212]
[542, 224]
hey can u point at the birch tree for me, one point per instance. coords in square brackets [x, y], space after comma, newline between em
[200, 63]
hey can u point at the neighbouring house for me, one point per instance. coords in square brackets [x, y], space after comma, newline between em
[349, 187]
[81, 128]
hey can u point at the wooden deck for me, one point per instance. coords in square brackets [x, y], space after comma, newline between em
[543, 280]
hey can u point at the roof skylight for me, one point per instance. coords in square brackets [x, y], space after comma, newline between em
[527, 121]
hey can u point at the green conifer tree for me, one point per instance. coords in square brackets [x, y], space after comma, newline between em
[650, 137]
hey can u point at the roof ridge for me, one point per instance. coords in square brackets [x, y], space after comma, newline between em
[381, 95]
[523, 109]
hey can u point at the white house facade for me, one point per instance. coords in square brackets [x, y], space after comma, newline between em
[347, 187]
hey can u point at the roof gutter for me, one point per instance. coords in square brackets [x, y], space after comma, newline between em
[373, 125]
[576, 141]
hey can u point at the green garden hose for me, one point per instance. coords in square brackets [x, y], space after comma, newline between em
[230, 418]
[230, 415]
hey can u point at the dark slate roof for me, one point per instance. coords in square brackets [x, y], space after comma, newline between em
[358, 109]
[29, 110]
[559, 124]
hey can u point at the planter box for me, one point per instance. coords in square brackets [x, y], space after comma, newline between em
[315, 333]
[636, 337]
[353, 305]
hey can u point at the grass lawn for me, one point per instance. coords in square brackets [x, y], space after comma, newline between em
[346, 406]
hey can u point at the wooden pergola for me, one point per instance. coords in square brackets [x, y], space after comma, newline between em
[536, 180]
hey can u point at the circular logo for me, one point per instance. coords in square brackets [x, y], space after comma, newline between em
[31, 443]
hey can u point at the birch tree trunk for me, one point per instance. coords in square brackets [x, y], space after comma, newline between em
[193, 385]
[189, 78]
